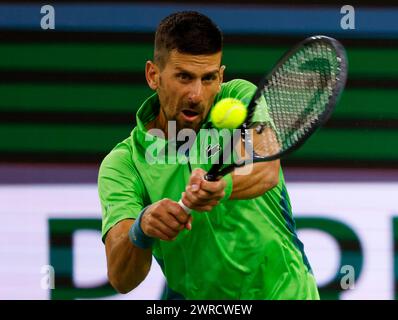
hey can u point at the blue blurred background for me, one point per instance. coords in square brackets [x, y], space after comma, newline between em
[69, 94]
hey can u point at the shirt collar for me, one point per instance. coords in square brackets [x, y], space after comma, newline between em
[147, 112]
[150, 109]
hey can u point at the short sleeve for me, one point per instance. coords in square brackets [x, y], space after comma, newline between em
[229, 186]
[244, 91]
[238, 89]
[120, 188]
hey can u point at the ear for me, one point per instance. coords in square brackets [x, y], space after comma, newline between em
[222, 68]
[152, 74]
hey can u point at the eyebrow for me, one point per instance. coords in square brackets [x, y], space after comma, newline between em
[210, 73]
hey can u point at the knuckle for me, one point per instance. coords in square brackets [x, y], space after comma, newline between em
[148, 221]
[180, 216]
[183, 218]
[171, 225]
[188, 203]
[155, 215]
[150, 230]
[188, 197]
[166, 202]
[158, 204]
[175, 225]
[197, 170]
[201, 196]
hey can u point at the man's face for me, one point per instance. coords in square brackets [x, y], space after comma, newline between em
[187, 87]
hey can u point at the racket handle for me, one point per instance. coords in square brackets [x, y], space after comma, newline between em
[186, 209]
[210, 177]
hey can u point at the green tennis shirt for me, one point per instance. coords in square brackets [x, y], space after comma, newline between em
[242, 249]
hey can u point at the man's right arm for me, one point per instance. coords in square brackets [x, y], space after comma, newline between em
[128, 264]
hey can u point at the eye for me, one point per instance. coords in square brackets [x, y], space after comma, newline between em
[184, 76]
[209, 77]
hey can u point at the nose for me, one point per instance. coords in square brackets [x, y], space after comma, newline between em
[195, 93]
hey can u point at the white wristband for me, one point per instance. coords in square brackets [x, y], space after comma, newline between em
[186, 209]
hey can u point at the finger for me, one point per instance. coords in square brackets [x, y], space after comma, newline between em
[188, 225]
[179, 213]
[190, 200]
[206, 208]
[194, 203]
[193, 200]
[154, 232]
[196, 179]
[213, 186]
[171, 221]
[205, 195]
[164, 229]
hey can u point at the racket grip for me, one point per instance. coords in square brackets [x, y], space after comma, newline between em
[210, 177]
[186, 209]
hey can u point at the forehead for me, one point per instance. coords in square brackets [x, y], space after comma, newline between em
[194, 63]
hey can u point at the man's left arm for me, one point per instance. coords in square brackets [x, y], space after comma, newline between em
[263, 177]
[253, 180]
[202, 195]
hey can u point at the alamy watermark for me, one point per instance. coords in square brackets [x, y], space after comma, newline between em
[203, 147]
[347, 281]
[48, 279]
[48, 19]
[348, 19]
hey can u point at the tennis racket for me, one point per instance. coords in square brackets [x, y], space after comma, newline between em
[290, 103]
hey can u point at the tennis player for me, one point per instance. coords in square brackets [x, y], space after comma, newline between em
[240, 241]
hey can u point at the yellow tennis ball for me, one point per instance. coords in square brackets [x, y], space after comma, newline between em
[228, 113]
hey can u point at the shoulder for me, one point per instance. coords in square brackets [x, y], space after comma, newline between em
[119, 176]
[237, 84]
[118, 161]
[119, 154]
[237, 88]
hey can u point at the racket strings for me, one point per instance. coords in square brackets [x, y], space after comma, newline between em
[297, 95]
[260, 140]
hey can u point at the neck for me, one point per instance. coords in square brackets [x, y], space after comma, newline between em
[160, 122]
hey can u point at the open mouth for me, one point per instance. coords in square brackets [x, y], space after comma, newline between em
[190, 115]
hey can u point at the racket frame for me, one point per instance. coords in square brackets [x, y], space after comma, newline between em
[214, 173]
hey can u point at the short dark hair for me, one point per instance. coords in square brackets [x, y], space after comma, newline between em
[188, 32]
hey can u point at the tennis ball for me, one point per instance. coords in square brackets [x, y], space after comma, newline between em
[228, 113]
